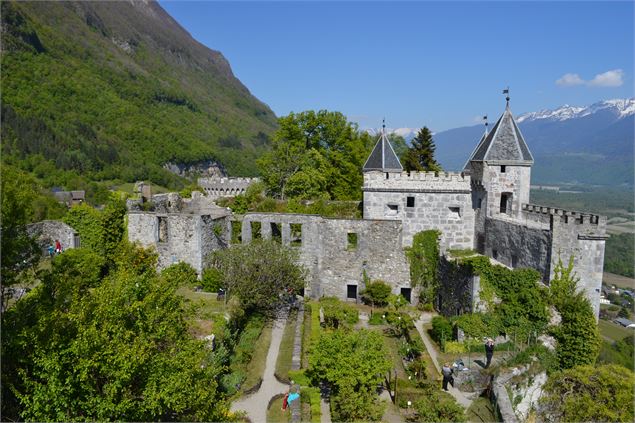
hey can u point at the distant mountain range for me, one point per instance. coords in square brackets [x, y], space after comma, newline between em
[571, 145]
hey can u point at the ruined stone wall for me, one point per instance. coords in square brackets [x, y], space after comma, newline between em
[333, 263]
[47, 231]
[518, 244]
[217, 187]
[423, 201]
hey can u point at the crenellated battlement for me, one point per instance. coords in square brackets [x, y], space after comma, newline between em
[569, 216]
[416, 181]
[225, 186]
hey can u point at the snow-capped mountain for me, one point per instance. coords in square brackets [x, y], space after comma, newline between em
[588, 145]
[619, 107]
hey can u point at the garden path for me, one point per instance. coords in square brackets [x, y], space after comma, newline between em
[462, 398]
[256, 404]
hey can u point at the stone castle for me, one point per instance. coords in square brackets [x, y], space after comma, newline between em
[485, 208]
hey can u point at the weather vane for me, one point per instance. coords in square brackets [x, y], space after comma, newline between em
[506, 91]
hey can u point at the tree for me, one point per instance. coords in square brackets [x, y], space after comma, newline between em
[377, 293]
[420, 156]
[120, 351]
[315, 155]
[435, 406]
[261, 274]
[578, 336]
[19, 250]
[350, 362]
[587, 393]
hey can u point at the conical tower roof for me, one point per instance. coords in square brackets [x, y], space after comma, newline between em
[504, 144]
[383, 156]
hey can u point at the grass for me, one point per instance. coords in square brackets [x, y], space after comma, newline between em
[619, 281]
[613, 331]
[431, 370]
[285, 353]
[205, 302]
[481, 410]
[275, 413]
[392, 344]
[256, 367]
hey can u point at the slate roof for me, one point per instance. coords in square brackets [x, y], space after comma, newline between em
[383, 157]
[467, 165]
[504, 143]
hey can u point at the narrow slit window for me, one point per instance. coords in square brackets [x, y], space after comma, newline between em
[503, 169]
[351, 241]
[163, 229]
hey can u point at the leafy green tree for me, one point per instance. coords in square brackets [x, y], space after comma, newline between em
[19, 250]
[589, 394]
[435, 406]
[620, 352]
[315, 155]
[424, 258]
[350, 362]
[377, 293]
[420, 156]
[578, 336]
[261, 274]
[120, 351]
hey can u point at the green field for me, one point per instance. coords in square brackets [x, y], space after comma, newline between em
[613, 331]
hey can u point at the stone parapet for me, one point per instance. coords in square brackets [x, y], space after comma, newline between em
[225, 186]
[416, 182]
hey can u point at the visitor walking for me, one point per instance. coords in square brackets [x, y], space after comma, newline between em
[58, 246]
[489, 351]
[446, 370]
[51, 249]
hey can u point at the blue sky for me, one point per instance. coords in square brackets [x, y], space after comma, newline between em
[440, 64]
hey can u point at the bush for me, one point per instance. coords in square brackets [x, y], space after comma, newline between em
[180, 274]
[337, 313]
[212, 280]
[454, 347]
[441, 330]
[376, 318]
[376, 293]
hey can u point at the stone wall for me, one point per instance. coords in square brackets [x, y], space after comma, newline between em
[581, 236]
[458, 291]
[217, 187]
[327, 252]
[423, 201]
[47, 231]
[180, 229]
[515, 180]
[516, 244]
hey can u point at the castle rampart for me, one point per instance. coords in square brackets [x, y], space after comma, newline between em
[216, 187]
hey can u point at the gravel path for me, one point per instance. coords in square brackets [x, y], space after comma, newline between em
[256, 404]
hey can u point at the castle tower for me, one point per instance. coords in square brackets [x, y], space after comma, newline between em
[383, 158]
[500, 168]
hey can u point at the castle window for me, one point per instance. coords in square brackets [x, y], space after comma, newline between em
[351, 292]
[514, 260]
[296, 234]
[503, 168]
[387, 175]
[455, 212]
[276, 235]
[163, 229]
[495, 254]
[237, 236]
[506, 203]
[410, 201]
[391, 210]
[351, 238]
[480, 203]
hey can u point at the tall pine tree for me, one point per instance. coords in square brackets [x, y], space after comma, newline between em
[420, 155]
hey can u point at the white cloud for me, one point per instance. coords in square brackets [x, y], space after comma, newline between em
[570, 79]
[612, 78]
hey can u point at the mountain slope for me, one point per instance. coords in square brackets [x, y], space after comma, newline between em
[585, 145]
[117, 89]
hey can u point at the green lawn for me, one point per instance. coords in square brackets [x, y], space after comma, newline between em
[256, 367]
[285, 353]
[275, 413]
[206, 303]
[613, 331]
[481, 410]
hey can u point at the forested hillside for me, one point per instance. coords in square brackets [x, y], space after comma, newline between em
[114, 90]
